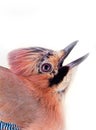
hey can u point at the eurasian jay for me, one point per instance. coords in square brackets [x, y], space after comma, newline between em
[31, 91]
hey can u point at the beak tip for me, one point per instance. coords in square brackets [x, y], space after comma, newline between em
[78, 61]
[74, 43]
[68, 49]
[87, 55]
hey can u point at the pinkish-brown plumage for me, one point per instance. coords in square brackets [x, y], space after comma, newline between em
[31, 90]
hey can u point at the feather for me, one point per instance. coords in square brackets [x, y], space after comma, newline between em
[23, 61]
[8, 126]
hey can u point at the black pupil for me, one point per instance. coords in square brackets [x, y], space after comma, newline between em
[46, 67]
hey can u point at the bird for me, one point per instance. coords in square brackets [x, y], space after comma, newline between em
[33, 87]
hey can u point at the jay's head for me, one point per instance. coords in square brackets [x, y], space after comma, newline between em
[45, 64]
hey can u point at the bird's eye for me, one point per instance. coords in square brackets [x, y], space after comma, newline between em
[46, 67]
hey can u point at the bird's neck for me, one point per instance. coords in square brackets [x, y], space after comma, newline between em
[50, 117]
[49, 112]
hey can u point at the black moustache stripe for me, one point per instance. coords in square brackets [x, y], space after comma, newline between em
[59, 77]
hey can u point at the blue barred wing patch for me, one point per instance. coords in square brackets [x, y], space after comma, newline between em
[8, 126]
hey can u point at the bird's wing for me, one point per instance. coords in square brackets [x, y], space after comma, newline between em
[8, 126]
[15, 98]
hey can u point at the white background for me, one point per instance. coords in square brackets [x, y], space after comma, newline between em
[54, 24]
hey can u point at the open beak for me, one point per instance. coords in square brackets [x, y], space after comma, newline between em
[63, 70]
[66, 51]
